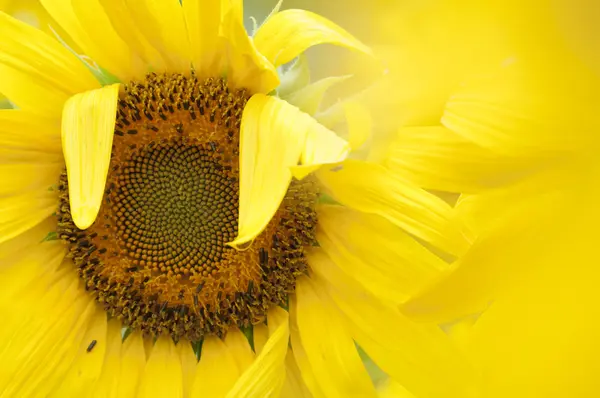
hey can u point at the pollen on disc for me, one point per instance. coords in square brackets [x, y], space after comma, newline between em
[157, 255]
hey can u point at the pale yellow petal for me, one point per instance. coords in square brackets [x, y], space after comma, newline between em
[43, 336]
[88, 25]
[376, 253]
[87, 366]
[163, 376]
[133, 362]
[87, 133]
[20, 212]
[309, 98]
[329, 347]
[240, 349]
[107, 385]
[294, 386]
[409, 352]
[295, 77]
[163, 25]
[217, 370]
[39, 74]
[288, 33]
[265, 377]
[373, 189]
[274, 137]
[203, 19]
[436, 158]
[359, 124]
[245, 67]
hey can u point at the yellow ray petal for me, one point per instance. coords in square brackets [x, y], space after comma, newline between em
[188, 365]
[265, 377]
[43, 337]
[240, 349]
[107, 385]
[87, 133]
[126, 27]
[163, 375]
[392, 389]
[203, 19]
[407, 351]
[261, 335]
[294, 386]
[23, 177]
[246, 67]
[26, 131]
[295, 77]
[21, 245]
[87, 366]
[309, 98]
[163, 25]
[288, 33]
[274, 137]
[217, 370]
[378, 254]
[328, 346]
[21, 212]
[373, 189]
[38, 73]
[359, 123]
[88, 25]
[133, 362]
[304, 368]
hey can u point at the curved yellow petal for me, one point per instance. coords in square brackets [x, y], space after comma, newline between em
[307, 377]
[18, 247]
[359, 123]
[398, 267]
[296, 76]
[294, 386]
[265, 377]
[87, 133]
[329, 348]
[392, 389]
[38, 73]
[246, 67]
[217, 370]
[21, 212]
[88, 25]
[373, 189]
[260, 334]
[276, 136]
[288, 33]
[163, 376]
[409, 352]
[25, 130]
[107, 385]
[188, 365]
[87, 366]
[203, 19]
[163, 25]
[133, 362]
[309, 98]
[240, 349]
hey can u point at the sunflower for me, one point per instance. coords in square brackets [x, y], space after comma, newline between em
[518, 143]
[171, 226]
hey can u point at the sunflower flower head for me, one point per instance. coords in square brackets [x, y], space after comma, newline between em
[177, 223]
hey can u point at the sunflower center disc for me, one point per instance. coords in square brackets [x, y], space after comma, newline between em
[156, 256]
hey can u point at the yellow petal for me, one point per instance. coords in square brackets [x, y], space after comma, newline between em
[24, 211]
[328, 346]
[126, 27]
[107, 385]
[274, 137]
[246, 67]
[409, 352]
[304, 368]
[439, 159]
[238, 346]
[39, 74]
[376, 253]
[261, 335]
[392, 389]
[288, 33]
[88, 25]
[163, 25]
[217, 370]
[133, 362]
[265, 377]
[295, 77]
[87, 366]
[163, 375]
[359, 123]
[41, 340]
[22, 130]
[373, 189]
[188, 365]
[87, 133]
[294, 386]
[19, 246]
[203, 19]
[309, 98]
